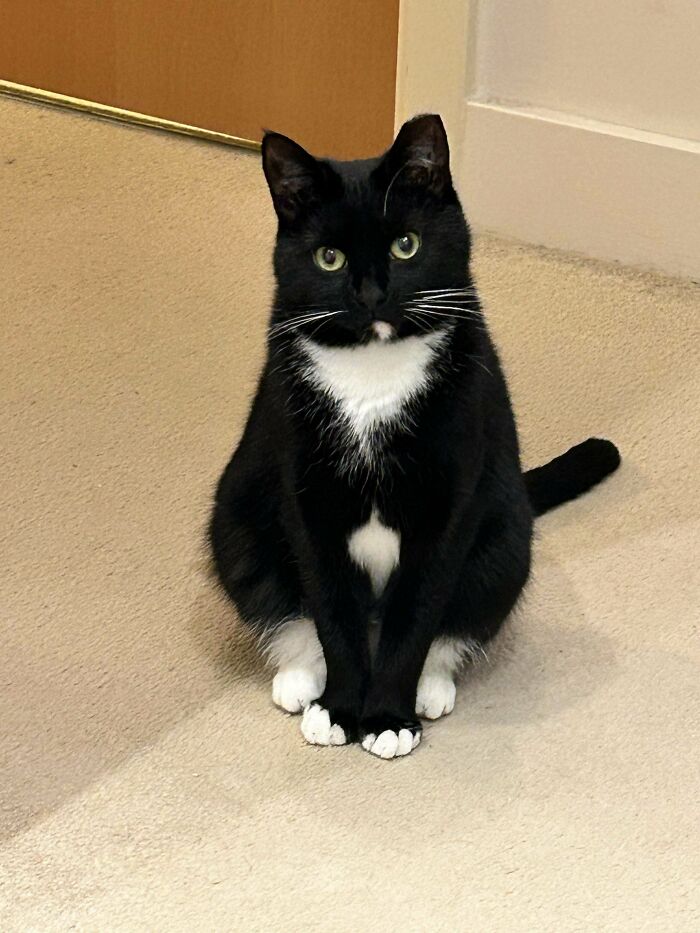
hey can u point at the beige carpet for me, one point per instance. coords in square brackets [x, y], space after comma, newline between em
[147, 782]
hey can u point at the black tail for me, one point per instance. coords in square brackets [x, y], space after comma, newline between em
[571, 474]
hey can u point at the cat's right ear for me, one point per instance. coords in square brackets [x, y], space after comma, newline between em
[419, 158]
[295, 178]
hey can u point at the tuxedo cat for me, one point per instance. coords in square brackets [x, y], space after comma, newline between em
[374, 524]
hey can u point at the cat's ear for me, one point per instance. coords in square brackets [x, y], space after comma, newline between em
[295, 178]
[419, 156]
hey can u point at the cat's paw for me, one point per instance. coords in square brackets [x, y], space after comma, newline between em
[436, 696]
[390, 737]
[293, 689]
[320, 726]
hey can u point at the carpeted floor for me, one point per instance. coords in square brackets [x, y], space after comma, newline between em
[147, 782]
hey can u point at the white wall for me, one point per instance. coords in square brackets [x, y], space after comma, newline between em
[573, 123]
[582, 127]
[632, 62]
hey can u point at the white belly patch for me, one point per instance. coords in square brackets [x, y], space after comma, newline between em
[375, 548]
[373, 383]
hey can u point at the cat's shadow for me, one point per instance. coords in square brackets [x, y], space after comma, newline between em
[549, 657]
[216, 630]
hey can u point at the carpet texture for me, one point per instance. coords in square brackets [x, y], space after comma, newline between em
[147, 781]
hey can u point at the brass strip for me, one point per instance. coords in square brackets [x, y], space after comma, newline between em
[24, 92]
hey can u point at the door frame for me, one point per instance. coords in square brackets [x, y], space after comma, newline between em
[433, 65]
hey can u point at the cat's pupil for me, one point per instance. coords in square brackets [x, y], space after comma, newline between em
[404, 244]
[329, 256]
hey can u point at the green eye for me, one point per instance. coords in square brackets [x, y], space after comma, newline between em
[406, 246]
[329, 259]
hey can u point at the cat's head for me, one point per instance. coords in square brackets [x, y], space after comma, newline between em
[374, 249]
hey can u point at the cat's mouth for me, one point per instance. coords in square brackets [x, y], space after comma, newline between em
[382, 330]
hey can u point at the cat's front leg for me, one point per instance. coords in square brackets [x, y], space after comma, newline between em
[341, 622]
[389, 727]
[334, 718]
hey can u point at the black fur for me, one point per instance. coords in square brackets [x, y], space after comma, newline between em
[449, 481]
[571, 474]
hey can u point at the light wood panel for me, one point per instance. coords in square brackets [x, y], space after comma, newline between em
[323, 72]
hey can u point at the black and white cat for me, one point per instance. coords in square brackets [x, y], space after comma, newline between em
[374, 523]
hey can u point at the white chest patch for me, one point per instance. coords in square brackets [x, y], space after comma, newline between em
[373, 383]
[375, 548]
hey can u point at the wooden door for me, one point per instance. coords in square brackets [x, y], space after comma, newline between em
[322, 71]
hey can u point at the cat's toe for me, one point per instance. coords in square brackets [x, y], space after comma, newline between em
[318, 727]
[436, 696]
[293, 689]
[390, 738]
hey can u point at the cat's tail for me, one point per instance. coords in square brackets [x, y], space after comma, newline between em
[571, 474]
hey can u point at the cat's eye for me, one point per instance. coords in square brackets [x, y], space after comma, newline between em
[329, 259]
[406, 246]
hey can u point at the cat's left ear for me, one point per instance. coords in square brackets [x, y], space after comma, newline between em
[297, 181]
[419, 156]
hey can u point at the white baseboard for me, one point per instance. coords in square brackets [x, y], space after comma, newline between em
[603, 190]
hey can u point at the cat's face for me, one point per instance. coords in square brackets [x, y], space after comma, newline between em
[376, 249]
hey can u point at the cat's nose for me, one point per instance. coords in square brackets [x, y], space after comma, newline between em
[370, 294]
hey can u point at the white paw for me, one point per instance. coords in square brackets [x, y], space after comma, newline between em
[294, 688]
[391, 744]
[436, 696]
[317, 729]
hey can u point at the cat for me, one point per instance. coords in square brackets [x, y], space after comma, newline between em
[374, 524]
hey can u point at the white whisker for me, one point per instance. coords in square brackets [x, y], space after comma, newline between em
[479, 362]
[317, 328]
[422, 325]
[435, 313]
[447, 288]
[445, 310]
[286, 326]
[440, 313]
[445, 292]
[436, 299]
[447, 318]
[300, 318]
[293, 320]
